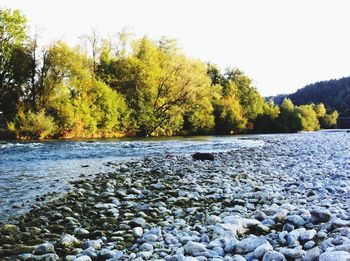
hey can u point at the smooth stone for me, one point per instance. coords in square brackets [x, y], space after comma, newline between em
[79, 232]
[45, 257]
[249, 244]
[320, 215]
[9, 229]
[292, 253]
[192, 248]
[69, 241]
[312, 254]
[96, 244]
[138, 222]
[335, 256]
[273, 256]
[137, 231]
[296, 220]
[238, 258]
[230, 245]
[107, 253]
[146, 247]
[307, 235]
[145, 254]
[83, 258]
[44, 248]
[91, 252]
[260, 251]
[309, 244]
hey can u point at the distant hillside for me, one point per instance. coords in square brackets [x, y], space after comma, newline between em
[334, 94]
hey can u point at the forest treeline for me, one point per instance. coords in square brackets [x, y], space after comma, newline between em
[334, 94]
[130, 87]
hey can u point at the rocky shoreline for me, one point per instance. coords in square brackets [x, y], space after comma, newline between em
[264, 203]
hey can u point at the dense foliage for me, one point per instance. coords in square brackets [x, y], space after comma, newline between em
[135, 87]
[334, 94]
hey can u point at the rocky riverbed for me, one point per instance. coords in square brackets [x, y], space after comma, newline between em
[286, 200]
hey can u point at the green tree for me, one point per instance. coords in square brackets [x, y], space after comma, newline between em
[289, 120]
[250, 99]
[308, 117]
[159, 84]
[320, 110]
[267, 122]
[13, 73]
[229, 116]
[329, 121]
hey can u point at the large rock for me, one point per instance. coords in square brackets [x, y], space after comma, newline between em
[320, 215]
[9, 229]
[203, 156]
[69, 241]
[312, 254]
[335, 256]
[260, 251]
[296, 220]
[249, 244]
[273, 256]
[193, 248]
[96, 244]
[138, 222]
[292, 253]
[44, 248]
[46, 257]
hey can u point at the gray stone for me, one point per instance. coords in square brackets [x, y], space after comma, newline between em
[146, 247]
[312, 254]
[238, 258]
[192, 248]
[107, 253]
[260, 251]
[296, 220]
[292, 253]
[69, 241]
[44, 248]
[335, 256]
[320, 215]
[249, 244]
[307, 235]
[45, 257]
[150, 238]
[83, 258]
[309, 244]
[231, 245]
[273, 256]
[138, 222]
[96, 244]
[145, 254]
[137, 231]
[80, 232]
[91, 252]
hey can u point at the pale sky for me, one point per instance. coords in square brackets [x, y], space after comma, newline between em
[281, 44]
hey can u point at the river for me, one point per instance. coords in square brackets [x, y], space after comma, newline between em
[32, 169]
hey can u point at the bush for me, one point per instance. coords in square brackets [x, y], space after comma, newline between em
[34, 125]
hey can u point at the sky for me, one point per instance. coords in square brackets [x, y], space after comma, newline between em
[281, 44]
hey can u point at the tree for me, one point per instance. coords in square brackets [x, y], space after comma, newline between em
[288, 119]
[159, 84]
[329, 121]
[229, 116]
[251, 101]
[267, 122]
[308, 117]
[12, 54]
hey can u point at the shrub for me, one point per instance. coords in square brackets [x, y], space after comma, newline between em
[34, 125]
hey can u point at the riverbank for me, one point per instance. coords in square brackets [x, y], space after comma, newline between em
[286, 199]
